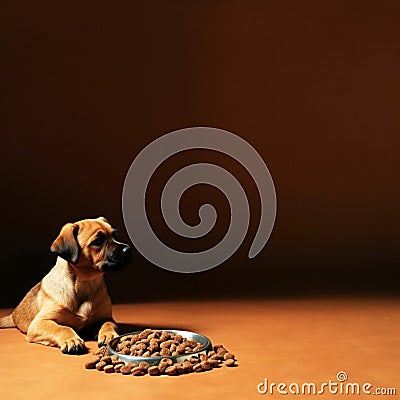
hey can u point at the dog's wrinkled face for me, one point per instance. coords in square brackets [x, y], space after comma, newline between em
[92, 243]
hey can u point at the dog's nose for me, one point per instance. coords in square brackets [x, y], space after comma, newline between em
[126, 253]
[126, 249]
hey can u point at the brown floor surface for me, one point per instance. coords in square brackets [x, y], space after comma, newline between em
[283, 340]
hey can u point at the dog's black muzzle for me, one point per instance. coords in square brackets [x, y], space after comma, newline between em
[117, 255]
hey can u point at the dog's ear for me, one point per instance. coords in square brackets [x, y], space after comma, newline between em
[104, 219]
[66, 245]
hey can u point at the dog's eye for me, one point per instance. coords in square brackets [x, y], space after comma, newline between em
[98, 242]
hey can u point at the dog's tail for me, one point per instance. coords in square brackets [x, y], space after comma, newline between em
[7, 322]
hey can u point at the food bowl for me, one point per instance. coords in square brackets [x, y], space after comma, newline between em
[203, 340]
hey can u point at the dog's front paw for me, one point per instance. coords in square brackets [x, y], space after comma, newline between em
[107, 332]
[74, 346]
[105, 337]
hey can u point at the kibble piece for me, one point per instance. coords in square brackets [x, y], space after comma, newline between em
[117, 367]
[101, 352]
[221, 354]
[146, 354]
[106, 359]
[197, 368]
[230, 362]
[115, 360]
[153, 346]
[178, 338]
[164, 336]
[145, 333]
[162, 366]
[171, 370]
[194, 360]
[126, 369]
[140, 346]
[175, 353]
[205, 364]
[211, 353]
[153, 370]
[197, 348]
[137, 371]
[154, 335]
[123, 345]
[166, 344]
[229, 356]
[187, 366]
[167, 360]
[203, 357]
[214, 363]
[179, 368]
[91, 363]
[108, 369]
[134, 338]
[185, 343]
[222, 350]
[181, 348]
[165, 352]
[144, 365]
[100, 365]
[156, 354]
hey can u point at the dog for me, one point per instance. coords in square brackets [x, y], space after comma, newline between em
[73, 296]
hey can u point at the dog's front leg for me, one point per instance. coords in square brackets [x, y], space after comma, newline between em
[48, 332]
[107, 332]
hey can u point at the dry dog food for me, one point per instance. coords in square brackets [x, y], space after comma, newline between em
[151, 343]
[154, 343]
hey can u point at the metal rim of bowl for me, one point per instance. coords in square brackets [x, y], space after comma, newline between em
[204, 340]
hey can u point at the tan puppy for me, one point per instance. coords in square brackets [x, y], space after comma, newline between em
[73, 295]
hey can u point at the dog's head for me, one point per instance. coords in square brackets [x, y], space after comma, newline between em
[91, 243]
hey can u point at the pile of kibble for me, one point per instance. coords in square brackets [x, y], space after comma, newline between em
[152, 343]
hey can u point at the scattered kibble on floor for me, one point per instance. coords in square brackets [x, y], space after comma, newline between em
[155, 343]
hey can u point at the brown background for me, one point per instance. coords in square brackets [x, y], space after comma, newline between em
[313, 86]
